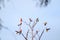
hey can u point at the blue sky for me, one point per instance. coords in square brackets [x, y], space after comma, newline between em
[15, 9]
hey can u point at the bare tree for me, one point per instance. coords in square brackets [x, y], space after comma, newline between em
[32, 29]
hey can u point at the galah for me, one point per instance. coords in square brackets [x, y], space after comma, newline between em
[20, 31]
[20, 22]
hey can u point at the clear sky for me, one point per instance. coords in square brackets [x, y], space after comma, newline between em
[15, 9]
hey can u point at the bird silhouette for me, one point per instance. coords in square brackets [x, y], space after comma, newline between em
[19, 32]
[20, 22]
[30, 19]
[47, 29]
[45, 23]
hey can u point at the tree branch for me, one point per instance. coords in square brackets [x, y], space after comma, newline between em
[27, 34]
[41, 35]
[27, 24]
[24, 36]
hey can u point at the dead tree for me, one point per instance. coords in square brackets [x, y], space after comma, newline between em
[32, 29]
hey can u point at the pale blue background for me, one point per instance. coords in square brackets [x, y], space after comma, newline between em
[15, 9]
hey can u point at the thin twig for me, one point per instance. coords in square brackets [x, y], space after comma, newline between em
[41, 35]
[35, 34]
[27, 34]
[32, 34]
[27, 24]
[34, 24]
[24, 36]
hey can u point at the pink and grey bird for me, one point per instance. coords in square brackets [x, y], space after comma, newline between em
[20, 31]
[20, 23]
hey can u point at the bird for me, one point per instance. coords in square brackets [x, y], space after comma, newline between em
[45, 23]
[47, 29]
[37, 19]
[20, 31]
[30, 19]
[20, 22]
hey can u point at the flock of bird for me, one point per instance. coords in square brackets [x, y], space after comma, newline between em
[20, 31]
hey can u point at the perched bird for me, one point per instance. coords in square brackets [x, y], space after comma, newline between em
[30, 19]
[20, 31]
[37, 20]
[20, 22]
[45, 23]
[47, 29]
